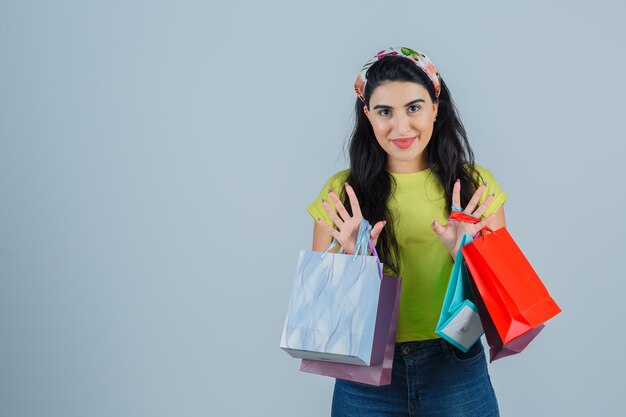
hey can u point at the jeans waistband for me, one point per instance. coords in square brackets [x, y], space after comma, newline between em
[420, 344]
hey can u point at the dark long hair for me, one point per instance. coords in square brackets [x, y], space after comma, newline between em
[449, 155]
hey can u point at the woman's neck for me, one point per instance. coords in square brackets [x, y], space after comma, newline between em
[406, 167]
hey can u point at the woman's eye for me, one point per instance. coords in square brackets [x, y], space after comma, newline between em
[414, 107]
[382, 111]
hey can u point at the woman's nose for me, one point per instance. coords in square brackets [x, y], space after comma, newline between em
[404, 126]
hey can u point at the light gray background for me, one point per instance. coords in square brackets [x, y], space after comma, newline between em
[156, 160]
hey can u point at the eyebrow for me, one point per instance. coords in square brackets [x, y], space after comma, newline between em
[384, 106]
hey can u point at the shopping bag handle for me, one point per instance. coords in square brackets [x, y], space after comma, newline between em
[458, 214]
[363, 227]
[361, 248]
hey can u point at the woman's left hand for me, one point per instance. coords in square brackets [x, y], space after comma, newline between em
[451, 233]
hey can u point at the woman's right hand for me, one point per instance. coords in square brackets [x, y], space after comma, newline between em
[348, 225]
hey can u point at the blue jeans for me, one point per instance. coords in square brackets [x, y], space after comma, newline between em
[429, 378]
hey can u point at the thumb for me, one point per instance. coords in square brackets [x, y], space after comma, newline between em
[378, 227]
[437, 228]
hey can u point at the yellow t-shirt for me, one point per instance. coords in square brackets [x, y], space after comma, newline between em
[425, 262]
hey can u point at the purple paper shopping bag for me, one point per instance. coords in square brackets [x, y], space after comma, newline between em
[386, 323]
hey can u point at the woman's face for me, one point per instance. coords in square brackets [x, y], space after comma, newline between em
[402, 110]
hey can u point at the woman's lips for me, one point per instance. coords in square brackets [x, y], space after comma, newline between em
[403, 143]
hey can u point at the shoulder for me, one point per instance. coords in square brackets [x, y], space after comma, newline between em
[336, 180]
[493, 187]
[335, 183]
[484, 174]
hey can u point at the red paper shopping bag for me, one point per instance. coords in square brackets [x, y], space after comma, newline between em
[497, 348]
[513, 294]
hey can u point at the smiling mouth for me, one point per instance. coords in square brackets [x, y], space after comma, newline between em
[403, 143]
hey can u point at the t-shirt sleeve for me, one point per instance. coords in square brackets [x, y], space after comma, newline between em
[316, 208]
[492, 187]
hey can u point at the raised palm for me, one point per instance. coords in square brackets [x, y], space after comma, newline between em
[451, 233]
[348, 225]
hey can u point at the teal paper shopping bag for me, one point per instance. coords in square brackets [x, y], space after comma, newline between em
[459, 322]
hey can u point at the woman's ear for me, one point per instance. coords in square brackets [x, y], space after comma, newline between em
[367, 114]
[435, 108]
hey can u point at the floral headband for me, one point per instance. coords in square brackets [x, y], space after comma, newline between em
[423, 62]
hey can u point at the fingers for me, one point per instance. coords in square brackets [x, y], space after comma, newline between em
[339, 206]
[437, 228]
[471, 206]
[345, 216]
[354, 203]
[475, 198]
[332, 214]
[484, 206]
[456, 194]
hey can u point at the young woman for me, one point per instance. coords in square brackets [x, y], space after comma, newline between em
[410, 162]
